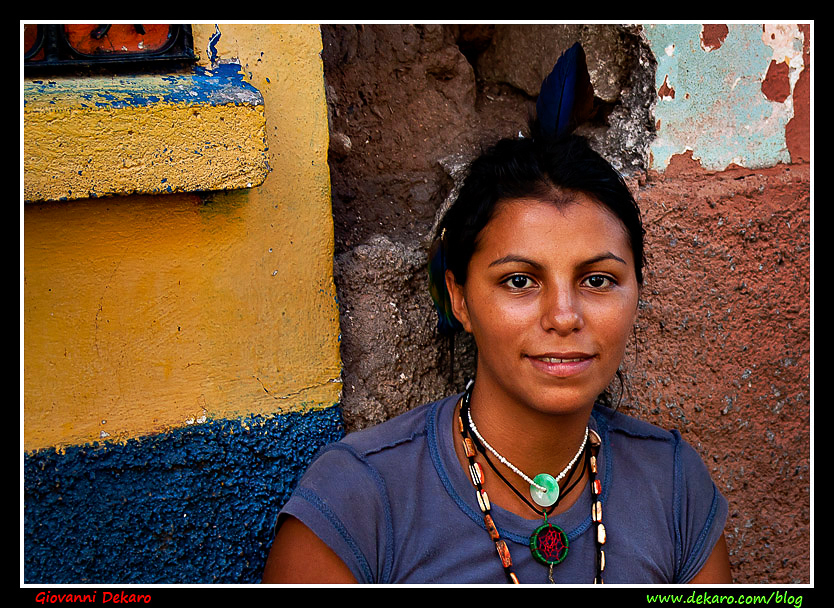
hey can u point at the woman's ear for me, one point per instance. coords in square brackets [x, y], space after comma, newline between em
[458, 301]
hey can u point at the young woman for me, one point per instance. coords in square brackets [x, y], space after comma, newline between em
[526, 476]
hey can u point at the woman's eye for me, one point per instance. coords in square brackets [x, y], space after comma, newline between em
[519, 281]
[599, 281]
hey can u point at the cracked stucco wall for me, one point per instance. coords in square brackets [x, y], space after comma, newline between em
[181, 351]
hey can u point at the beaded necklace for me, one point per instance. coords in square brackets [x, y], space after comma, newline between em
[544, 488]
[548, 543]
[536, 508]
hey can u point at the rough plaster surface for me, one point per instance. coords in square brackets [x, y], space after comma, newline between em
[393, 357]
[621, 68]
[195, 505]
[93, 137]
[721, 350]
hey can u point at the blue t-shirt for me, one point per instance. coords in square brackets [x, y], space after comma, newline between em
[394, 503]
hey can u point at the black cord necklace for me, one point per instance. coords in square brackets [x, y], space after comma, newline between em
[539, 510]
[548, 543]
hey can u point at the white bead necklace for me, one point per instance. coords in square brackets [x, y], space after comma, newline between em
[544, 488]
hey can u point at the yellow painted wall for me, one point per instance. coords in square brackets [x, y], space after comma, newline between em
[97, 136]
[144, 313]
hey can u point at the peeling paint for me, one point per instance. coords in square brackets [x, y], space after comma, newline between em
[786, 42]
[148, 134]
[665, 91]
[221, 85]
[776, 85]
[718, 110]
[713, 35]
[211, 48]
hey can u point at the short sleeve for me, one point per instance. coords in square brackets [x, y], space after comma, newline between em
[699, 509]
[343, 501]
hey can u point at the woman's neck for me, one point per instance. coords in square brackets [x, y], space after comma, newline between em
[535, 441]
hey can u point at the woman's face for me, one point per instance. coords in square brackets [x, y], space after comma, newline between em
[550, 298]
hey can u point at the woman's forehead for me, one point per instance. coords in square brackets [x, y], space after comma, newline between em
[580, 218]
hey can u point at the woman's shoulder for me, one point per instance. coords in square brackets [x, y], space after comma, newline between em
[403, 429]
[666, 480]
[355, 472]
[642, 437]
[616, 421]
[643, 443]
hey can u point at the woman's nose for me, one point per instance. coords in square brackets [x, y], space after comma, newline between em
[562, 311]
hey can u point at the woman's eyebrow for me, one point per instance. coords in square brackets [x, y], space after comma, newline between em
[604, 256]
[513, 258]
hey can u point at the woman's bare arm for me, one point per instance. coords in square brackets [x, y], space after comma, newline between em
[299, 556]
[717, 568]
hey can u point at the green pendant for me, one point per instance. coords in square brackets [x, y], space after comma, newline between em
[551, 490]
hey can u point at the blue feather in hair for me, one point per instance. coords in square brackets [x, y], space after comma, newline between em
[447, 324]
[566, 96]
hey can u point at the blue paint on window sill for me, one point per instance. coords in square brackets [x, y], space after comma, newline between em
[221, 85]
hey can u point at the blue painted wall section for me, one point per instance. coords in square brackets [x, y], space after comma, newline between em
[195, 505]
[711, 101]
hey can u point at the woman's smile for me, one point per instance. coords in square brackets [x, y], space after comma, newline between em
[561, 366]
[550, 298]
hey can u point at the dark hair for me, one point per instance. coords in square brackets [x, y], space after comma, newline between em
[534, 168]
[537, 167]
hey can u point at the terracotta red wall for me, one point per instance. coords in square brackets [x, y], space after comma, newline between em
[723, 347]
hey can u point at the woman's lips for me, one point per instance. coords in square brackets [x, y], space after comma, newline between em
[561, 365]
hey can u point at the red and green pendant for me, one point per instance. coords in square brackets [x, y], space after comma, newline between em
[549, 543]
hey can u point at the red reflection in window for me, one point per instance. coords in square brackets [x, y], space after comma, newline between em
[31, 40]
[96, 39]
